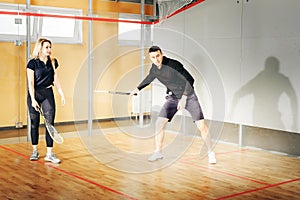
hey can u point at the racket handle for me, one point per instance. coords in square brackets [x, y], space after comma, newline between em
[38, 108]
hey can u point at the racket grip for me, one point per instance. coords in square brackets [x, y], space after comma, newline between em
[38, 108]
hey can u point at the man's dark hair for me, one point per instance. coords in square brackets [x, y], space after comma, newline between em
[154, 49]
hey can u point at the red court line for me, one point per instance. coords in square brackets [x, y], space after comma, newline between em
[226, 173]
[73, 175]
[226, 152]
[98, 18]
[235, 151]
[258, 189]
[73, 17]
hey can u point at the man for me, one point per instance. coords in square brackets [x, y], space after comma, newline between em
[180, 95]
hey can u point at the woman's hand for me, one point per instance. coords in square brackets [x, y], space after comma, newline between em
[61, 93]
[63, 100]
[35, 104]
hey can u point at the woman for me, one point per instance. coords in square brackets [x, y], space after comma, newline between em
[42, 75]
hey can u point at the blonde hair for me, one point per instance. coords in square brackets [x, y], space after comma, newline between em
[38, 48]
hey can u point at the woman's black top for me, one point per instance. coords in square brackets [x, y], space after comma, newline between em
[43, 73]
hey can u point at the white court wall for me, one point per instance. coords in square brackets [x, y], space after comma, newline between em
[244, 56]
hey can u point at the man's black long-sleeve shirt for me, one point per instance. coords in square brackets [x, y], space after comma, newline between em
[173, 75]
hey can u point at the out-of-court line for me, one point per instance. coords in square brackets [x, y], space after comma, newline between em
[73, 175]
[258, 189]
[223, 172]
[219, 153]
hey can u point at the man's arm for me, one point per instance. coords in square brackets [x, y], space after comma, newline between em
[186, 76]
[149, 78]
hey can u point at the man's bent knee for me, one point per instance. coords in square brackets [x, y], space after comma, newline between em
[161, 122]
[201, 125]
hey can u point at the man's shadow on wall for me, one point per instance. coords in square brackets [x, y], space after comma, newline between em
[267, 88]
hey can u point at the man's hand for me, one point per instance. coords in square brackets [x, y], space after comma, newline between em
[134, 92]
[182, 103]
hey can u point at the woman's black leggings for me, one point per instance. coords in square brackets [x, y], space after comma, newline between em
[45, 99]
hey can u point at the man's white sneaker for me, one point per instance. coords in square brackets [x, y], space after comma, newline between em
[212, 158]
[51, 158]
[155, 156]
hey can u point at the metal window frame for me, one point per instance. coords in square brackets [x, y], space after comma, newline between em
[17, 38]
[137, 41]
[37, 23]
[77, 32]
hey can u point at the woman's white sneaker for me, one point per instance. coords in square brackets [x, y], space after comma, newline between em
[51, 158]
[35, 155]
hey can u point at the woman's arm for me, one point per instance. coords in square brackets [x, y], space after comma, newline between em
[58, 87]
[30, 77]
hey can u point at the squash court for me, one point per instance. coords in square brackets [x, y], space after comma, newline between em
[241, 173]
[242, 55]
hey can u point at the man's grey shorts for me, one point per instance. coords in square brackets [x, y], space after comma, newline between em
[169, 109]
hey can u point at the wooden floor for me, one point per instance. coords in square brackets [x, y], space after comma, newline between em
[241, 173]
